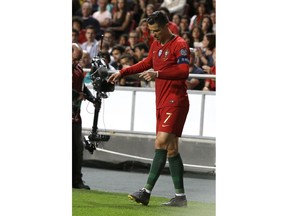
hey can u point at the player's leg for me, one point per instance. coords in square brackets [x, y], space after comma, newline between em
[158, 163]
[176, 170]
[163, 140]
[176, 118]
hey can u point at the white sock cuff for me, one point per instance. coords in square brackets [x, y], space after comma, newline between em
[147, 191]
[181, 194]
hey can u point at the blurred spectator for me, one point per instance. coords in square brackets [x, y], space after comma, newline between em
[195, 83]
[144, 33]
[174, 6]
[210, 84]
[91, 44]
[184, 25]
[188, 38]
[104, 46]
[77, 23]
[106, 56]
[87, 18]
[103, 15]
[209, 48]
[75, 36]
[109, 37]
[172, 26]
[197, 37]
[121, 19]
[176, 18]
[133, 39]
[126, 60]
[206, 24]
[85, 62]
[117, 51]
[141, 51]
[94, 6]
[123, 40]
[149, 9]
[130, 51]
[197, 18]
[213, 18]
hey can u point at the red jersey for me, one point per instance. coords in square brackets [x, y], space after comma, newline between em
[171, 60]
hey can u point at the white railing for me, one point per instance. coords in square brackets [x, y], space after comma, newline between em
[132, 110]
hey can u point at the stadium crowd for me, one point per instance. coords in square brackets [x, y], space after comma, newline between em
[126, 38]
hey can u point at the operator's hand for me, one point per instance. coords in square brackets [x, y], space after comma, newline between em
[114, 77]
[149, 75]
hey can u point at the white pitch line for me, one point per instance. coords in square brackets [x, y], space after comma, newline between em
[149, 159]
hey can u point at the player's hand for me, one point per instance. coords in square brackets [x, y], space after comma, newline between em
[114, 77]
[149, 75]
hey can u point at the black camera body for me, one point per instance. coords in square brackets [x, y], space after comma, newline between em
[99, 75]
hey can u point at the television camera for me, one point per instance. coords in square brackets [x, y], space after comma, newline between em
[99, 74]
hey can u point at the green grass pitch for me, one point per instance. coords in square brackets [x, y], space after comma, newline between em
[98, 203]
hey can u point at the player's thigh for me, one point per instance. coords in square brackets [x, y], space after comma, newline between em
[171, 119]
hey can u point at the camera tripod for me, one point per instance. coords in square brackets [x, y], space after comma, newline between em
[94, 138]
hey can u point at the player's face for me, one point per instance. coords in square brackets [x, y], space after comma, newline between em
[156, 31]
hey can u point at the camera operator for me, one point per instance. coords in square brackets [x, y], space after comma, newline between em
[79, 92]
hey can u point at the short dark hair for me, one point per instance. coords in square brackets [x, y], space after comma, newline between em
[118, 47]
[126, 55]
[78, 20]
[166, 11]
[91, 27]
[158, 17]
[75, 31]
[141, 46]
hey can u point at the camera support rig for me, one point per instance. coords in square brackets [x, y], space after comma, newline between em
[99, 74]
[94, 138]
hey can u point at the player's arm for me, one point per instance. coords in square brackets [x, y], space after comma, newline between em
[141, 66]
[137, 68]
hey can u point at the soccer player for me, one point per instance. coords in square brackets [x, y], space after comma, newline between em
[169, 57]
